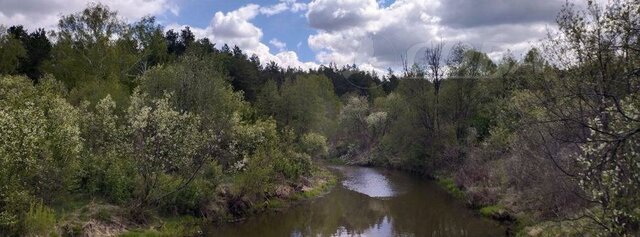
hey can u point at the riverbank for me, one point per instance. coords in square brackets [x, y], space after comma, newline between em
[495, 212]
[517, 223]
[84, 217]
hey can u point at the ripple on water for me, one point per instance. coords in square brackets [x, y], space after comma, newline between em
[368, 182]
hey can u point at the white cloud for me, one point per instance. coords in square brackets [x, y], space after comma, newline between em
[376, 37]
[46, 13]
[373, 36]
[332, 15]
[281, 46]
[275, 9]
[284, 5]
[235, 28]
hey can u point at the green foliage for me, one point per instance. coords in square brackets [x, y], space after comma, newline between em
[40, 220]
[491, 211]
[197, 87]
[451, 187]
[161, 121]
[38, 50]
[306, 103]
[105, 169]
[618, 183]
[161, 140]
[12, 52]
[315, 145]
[39, 143]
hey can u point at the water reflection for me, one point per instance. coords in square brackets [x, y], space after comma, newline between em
[367, 181]
[370, 202]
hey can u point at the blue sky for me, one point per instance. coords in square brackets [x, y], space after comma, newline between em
[374, 34]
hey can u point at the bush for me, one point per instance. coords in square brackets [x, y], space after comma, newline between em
[40, 220]
[293, 165]
[39, 146]
[189, 199]
[13, 205]
[315, 145]
[257, 178]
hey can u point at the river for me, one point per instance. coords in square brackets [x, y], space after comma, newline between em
[370, 202]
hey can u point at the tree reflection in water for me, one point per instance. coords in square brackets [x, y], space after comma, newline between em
[370, 202]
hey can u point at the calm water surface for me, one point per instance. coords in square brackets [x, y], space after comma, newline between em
[370, 202]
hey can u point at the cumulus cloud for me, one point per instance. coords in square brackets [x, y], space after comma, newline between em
[366, 33]
[281, 46]
[377, 39]
[235, 28]
[46, 13]
[332, 15]
[464, 14]
[284, 5]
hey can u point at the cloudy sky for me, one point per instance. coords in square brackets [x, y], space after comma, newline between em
[306, 33]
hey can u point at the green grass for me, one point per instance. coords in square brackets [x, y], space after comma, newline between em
[174, 226]
[451, 187]
[490, 211]
[329, 179]
[275, 204]
[40, 220]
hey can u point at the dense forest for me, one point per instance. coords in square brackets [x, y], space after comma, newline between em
[107, 119]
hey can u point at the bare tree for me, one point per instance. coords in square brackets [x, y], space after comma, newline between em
[435, 73]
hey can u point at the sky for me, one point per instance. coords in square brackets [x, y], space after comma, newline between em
[373, 34]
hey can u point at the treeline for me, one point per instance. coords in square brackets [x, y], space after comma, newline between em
[550, 139]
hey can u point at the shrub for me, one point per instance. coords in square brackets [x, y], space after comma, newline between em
[40, 220]
[315, 145]
[293, 165]
[189, 199]
[39, 145]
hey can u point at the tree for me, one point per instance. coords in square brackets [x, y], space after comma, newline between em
[12, 52]
[308, 104]
[593, 97]
[165, 145]
[38, 49]
[89, 57]
[150, 43]
[435, 73]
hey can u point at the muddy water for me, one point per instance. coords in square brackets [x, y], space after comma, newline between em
[370, 202]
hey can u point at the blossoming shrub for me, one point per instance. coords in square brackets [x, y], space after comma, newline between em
[39, 146]
[610, 167]
[164, 145]
[315, 145]
[106, 171]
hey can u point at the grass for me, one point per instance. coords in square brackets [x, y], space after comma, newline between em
[491, 211]
[451, 187]
[173, 226]
[324, 180]
[40, 220]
